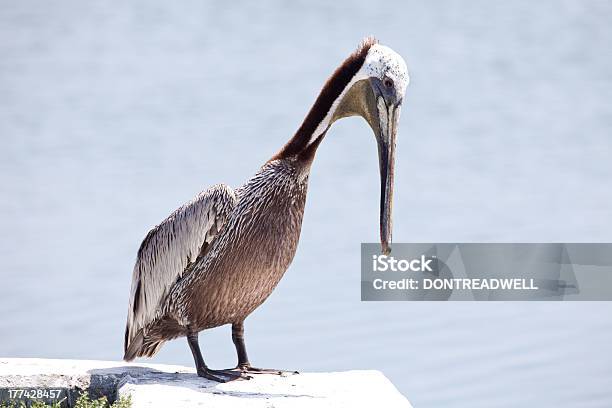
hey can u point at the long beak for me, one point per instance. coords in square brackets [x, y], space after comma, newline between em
[386, 161]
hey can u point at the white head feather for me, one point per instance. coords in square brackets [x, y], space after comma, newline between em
[381, 62]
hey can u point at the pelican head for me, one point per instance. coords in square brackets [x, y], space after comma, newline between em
[376, 93]
[370, 83]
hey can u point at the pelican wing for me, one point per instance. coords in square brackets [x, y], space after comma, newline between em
[169, 248]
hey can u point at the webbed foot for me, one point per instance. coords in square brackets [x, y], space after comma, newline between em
[222, 376]
[248, 369]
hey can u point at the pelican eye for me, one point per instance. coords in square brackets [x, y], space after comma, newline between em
[388, 82]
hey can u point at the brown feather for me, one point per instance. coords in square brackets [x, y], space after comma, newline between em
[332, 89]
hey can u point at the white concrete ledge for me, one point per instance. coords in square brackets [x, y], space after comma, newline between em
[156, 385]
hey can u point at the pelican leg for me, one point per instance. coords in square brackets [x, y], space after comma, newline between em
[243, 360]
[202, 369]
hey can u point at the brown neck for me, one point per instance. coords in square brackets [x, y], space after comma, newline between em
[302, 146]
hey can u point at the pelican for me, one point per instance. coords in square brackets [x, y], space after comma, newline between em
[215, 259]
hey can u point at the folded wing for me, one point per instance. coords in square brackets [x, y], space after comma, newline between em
[169, 248]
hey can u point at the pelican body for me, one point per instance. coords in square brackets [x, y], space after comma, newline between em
[218, 257]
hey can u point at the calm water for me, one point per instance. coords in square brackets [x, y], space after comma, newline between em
[112, 115]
